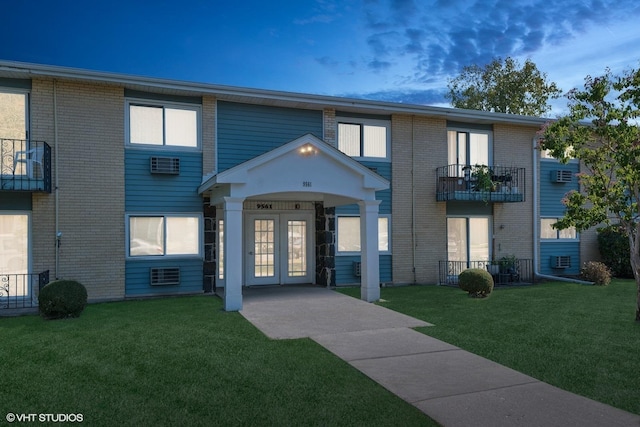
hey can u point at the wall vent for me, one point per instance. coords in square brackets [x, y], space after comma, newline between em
[165, 165]
[357, 268]
[165, 276]
[563, 261]
[563, 175]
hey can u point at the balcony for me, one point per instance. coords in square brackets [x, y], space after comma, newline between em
[480, 183]
[18, 291]
[514, 272]
[25, 165]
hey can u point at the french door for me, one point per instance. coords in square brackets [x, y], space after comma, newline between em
[279, 248]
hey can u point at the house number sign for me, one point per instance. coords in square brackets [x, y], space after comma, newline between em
[306, 183]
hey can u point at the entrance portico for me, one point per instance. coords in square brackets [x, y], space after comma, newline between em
[304, 170]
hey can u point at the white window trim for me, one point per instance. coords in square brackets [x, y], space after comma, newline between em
[162, 104]
[372, 122]
[199, 255]
[557, 238]
[358, 253]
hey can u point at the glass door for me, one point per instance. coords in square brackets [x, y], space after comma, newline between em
[279, 249]
[262, 267]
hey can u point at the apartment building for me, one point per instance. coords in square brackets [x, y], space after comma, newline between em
[141, 187]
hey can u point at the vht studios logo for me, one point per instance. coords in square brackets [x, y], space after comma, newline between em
[44, 418]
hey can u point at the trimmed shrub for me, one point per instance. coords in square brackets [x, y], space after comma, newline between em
[62, 298]
[614, 251]
[596, 272]
[476, 281]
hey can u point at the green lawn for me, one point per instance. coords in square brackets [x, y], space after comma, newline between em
[580, 338]
[182, 361]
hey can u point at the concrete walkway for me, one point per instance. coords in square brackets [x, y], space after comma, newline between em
[452, 386]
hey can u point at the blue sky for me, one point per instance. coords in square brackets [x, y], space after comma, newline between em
[391, 50]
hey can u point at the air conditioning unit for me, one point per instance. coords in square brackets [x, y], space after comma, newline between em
[165, 276]
[357, 268]
[165, 165]
[562, 261]
[562, 175]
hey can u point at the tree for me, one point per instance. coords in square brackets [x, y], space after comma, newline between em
[602, 131]
[503, 87]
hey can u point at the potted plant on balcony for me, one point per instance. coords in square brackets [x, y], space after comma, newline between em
[482, 176]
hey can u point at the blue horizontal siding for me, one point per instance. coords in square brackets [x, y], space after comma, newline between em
[559, 248]
[344, 269]
[158, 193]
[384, 170]
[246, 131]
[137, 277]
[551, 193]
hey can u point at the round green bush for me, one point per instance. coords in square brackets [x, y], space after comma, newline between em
[476, 281]
[62, 298]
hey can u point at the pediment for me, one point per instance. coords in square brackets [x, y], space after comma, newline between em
[304, 165]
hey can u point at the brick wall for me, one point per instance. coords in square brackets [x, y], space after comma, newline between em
[208, 134]
[43, 232]
[90, 151]
[418, 148]
[329, 120]
[513, 222]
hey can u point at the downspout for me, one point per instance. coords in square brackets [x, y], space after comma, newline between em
[536, 227]
[55, 171]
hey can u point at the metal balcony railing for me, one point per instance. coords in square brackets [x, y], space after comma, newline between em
[514, 272]
[25, 165]
[480, 183]
[21, 290]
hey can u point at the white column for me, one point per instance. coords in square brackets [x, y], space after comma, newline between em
[233, 254]
[370, 272]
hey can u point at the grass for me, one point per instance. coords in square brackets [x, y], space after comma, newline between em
[182, 361]
[579, 338]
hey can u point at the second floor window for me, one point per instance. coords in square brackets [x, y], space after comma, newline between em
[367, 139]
[164, 125]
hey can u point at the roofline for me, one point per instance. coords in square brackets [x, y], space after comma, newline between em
[52, 71]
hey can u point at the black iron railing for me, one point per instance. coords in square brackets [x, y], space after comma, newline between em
[480, 183]
[25, 165]
[511, 272]
[21, 290]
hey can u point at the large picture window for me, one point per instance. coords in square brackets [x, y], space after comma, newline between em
[167, 235]
[369, 139]
[348, 234]
[164, 125]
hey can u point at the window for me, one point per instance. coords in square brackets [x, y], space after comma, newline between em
[546, 154]
[468, 239]
[468, 149]
[348, 234]
[13, 129]
[173, 125]
[14, 243]
[164, 235]
[364, 139]
[548, 232]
